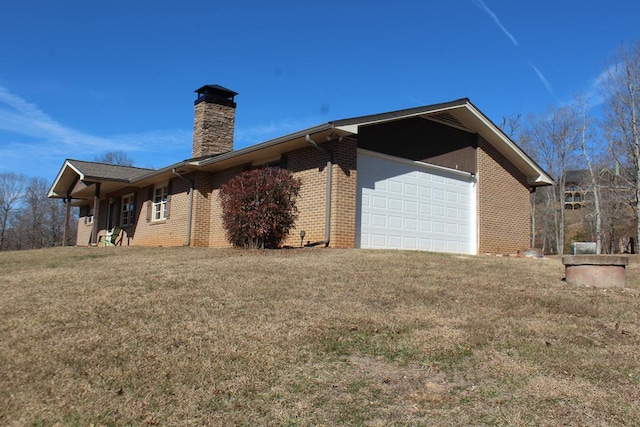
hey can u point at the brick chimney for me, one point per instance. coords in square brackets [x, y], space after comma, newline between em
[214, 120]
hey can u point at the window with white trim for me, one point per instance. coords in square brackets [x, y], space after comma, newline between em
[160, 195]
[127, 210]
[90, 216]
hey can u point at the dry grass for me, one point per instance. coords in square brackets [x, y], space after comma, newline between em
[184, 336]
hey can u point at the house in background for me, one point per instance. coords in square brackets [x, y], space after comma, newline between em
[575, 190]
[616, 197]
[439, 178]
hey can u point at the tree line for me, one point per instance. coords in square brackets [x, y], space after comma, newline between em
[28, 218]
[595, 137]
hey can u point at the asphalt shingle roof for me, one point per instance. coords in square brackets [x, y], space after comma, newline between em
[106, 171]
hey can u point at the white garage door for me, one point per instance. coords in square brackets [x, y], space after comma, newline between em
[411, 205]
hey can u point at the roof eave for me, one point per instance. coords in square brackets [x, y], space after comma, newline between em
[162, 171]
[352, 124]
[263, 145]
[536, 176]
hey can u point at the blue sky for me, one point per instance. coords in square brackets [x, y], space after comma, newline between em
[79, 78]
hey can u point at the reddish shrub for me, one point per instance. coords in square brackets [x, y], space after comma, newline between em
[259, 207]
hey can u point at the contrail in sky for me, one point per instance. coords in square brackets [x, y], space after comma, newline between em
[493, 16]
[541, 77]
[480, 4]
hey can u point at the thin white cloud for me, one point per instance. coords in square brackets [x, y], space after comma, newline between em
[22, 117]
[27, 130]
[482, 6]
[596, 92]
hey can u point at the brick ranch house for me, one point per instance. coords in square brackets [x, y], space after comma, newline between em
[439, 178]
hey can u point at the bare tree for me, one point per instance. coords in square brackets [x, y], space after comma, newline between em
[119, 158]
[11, 192]
[41, 220]
[552, 139]
[511, 126]
[622, 110]
[582, 105]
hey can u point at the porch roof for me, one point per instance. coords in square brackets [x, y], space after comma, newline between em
[76, 176]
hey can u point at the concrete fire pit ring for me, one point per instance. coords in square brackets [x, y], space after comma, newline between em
[602, 271]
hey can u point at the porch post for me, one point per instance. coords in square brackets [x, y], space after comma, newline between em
[67, 203]
[96, 216]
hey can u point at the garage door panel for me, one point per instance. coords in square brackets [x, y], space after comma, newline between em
[410, 190]
[394, 242]
[395, 186]
[395, 204]
[377, 241]
[410, 224]
[395, 222]
[378, 220]
[411, 206]
[410, 243]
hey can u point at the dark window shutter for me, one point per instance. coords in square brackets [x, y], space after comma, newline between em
[117, 208]
[149, 202]
[169, 191]
[134, 214]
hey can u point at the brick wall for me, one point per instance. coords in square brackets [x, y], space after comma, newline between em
[503, 203]
[200, 225]
[84, 230]
[217, 237]
[343, 197]
[169, 232]
[309, 164]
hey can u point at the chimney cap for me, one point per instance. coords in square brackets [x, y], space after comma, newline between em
[215, 88]
[216, 94]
